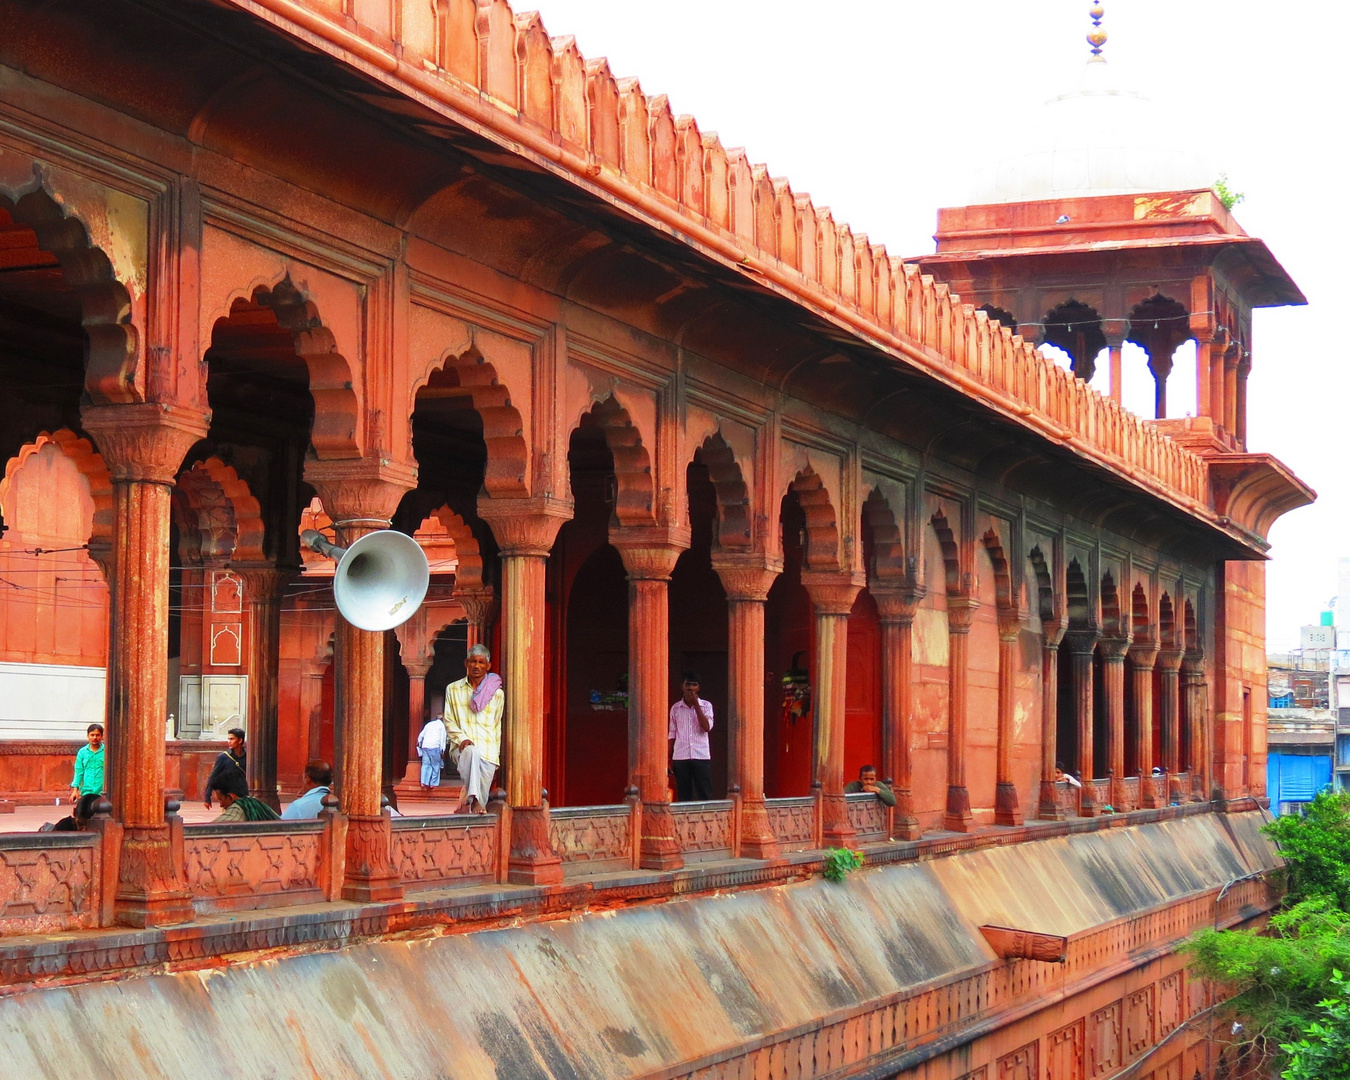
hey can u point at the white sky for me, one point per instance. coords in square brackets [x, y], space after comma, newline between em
[880, 109]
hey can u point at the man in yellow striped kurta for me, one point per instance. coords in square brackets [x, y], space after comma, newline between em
[473, 722]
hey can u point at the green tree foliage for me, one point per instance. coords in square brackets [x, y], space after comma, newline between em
[1316, 850]
[1288, 984]
[1324, 1051]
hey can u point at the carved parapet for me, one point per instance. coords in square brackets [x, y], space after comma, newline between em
[146, 441]
[525, 526]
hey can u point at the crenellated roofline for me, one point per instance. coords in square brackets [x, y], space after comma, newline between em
[501, 76]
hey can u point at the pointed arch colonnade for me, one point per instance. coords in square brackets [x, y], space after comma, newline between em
[209, 394]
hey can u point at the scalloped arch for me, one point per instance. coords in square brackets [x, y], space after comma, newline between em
[469, 572]
[888, 548]
[503, 428]
[733, 495]
[632, 464]
[1113, 623]
[1003, 590]
[228, 517]
[951, 553]
[822, 524]
[111, 367]
[1140, 623]
[336, 432]
[88, 461]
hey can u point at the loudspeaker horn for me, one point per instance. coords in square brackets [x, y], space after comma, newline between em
[380, 581]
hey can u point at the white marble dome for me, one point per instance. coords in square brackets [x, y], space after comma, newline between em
[1098, 139]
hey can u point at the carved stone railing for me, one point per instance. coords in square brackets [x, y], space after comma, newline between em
[593, 839]
[1100, 790]
[1066, 798]
[458, 849]
[1179, 788]
[793, 822]
[1158, 785]
[608, 135]
[703, 830]
[255, 865]
[1131, 788]
[1198, 792]
[51, 881]
[867, 815]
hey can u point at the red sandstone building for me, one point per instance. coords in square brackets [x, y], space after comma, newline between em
[272, 264]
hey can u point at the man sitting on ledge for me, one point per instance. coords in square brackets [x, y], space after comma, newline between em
[243, 808]
[318, 782]
[473, 723]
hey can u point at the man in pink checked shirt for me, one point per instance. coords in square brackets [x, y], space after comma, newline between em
[691, 718]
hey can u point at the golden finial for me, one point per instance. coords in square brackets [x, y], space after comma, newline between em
[1096, 36]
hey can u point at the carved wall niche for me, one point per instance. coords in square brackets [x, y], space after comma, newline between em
[1020, 1064]
[1064, 1052]
[1139, 1021]
[1169, 1004]
[1103, 1043]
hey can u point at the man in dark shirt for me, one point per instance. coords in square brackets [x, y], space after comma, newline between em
[867, 781]
[228, 775]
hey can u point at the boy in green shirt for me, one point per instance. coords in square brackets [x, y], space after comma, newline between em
[89, 771]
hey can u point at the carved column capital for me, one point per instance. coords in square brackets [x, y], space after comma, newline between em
[746, 575]
[360, 494]
[1114, 649]
[146, 441]
[897, 604]
[1169, 659]
[418, 667]
[525, 526]
[1009, 623]
[649, 553]
[1143, 654]
[1083, 641]
[476, 602]
[961, 613]
[1052, 633]
[832, 592]
[262, 582]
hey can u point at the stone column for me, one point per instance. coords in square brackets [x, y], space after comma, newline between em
[1195, 695]
[1051, 635]
[746, 579]
[263, 588]
[525, 529]
[361, 495]
[1169, 708]
[143, 446]
[649, 556]
[418, 669]
[960, 614]
[1113, 675]
[1143, 655]
[1006, 809]
[832, 597]
[1083, 643]
[311, 704]
[896, 608]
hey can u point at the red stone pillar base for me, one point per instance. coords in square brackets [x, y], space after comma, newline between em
[757, 838]
[1006, 810]
[1047, 808]
[659, 849]
[149, 887]
[958, 817]
[370, 874]
[835, 828]
[532, 860]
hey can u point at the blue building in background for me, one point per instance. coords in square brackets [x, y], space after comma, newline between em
[1294, 775]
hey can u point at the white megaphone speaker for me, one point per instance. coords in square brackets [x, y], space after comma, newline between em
[380, 580]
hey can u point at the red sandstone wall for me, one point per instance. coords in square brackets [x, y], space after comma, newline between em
[1239, 669]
